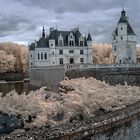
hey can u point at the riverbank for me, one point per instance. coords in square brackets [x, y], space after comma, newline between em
[119, 122]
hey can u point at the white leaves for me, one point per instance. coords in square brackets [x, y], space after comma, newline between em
[13, 58]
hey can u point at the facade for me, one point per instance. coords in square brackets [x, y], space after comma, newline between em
[124, 42]
[61, 48]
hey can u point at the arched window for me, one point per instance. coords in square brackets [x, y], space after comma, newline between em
[38, 56]
[41, 55]
[71, 60]
[45, 55]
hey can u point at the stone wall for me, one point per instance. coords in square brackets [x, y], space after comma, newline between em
[50, 76]
[112, 76]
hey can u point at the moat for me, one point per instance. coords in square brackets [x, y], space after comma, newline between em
[19, 87]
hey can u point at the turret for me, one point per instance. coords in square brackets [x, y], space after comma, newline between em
[124, 41]
[89, 40]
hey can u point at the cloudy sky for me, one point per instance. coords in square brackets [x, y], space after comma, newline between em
[22, 20]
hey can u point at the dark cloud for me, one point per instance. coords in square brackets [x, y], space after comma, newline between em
[21, 20]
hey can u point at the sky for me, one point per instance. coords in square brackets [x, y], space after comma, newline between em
[21, 21]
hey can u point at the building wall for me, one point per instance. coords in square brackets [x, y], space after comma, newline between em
[124, 47]
[54, 56]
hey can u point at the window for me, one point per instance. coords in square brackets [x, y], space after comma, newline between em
[121, 38]
[60, 43]
[51, 44]
[41, 55]
[61, 61]
[45, 55]
[115, 48]
[38, 56]
[53, 53]
[71, 60]
[81, 52]
[82, 60]
[31, 63]
[60, 51]
[81, 43]
[31, 55]
[121, 28]
[71, 42]
[129, 58]
[71, 51]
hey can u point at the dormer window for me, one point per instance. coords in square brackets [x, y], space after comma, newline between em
[81, 41]
[60, 40]
[71, 39]
[71, 43]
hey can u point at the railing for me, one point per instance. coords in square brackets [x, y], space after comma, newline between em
[86, 66]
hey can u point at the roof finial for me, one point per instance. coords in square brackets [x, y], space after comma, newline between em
[56, 26]
[43, 32]
[123, 5]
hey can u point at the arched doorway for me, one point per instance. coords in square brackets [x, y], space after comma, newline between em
[71, 60]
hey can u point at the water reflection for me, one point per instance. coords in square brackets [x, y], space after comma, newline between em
[19, 87]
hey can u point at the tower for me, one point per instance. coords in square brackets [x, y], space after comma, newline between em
[89, 49]
[124, 41]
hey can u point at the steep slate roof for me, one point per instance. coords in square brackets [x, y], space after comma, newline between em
[32, 46]
[123, 19]
[89, 37]
[55, 34]
[43, 42]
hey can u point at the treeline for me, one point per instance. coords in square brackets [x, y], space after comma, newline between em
[13, 58]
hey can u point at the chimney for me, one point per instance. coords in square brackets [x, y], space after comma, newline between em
[51, 29]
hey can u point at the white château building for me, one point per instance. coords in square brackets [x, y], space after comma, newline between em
[61, 48]
[124, 42]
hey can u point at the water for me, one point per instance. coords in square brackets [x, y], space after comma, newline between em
[9, 123]
[19, 87]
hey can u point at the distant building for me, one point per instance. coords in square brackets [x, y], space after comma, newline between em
[61, 48]
[124, 42]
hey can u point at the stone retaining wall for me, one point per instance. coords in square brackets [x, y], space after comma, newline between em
[112, 76]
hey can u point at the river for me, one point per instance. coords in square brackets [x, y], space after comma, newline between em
[19, 87]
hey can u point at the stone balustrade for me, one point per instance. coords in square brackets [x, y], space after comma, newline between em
[96, 66]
